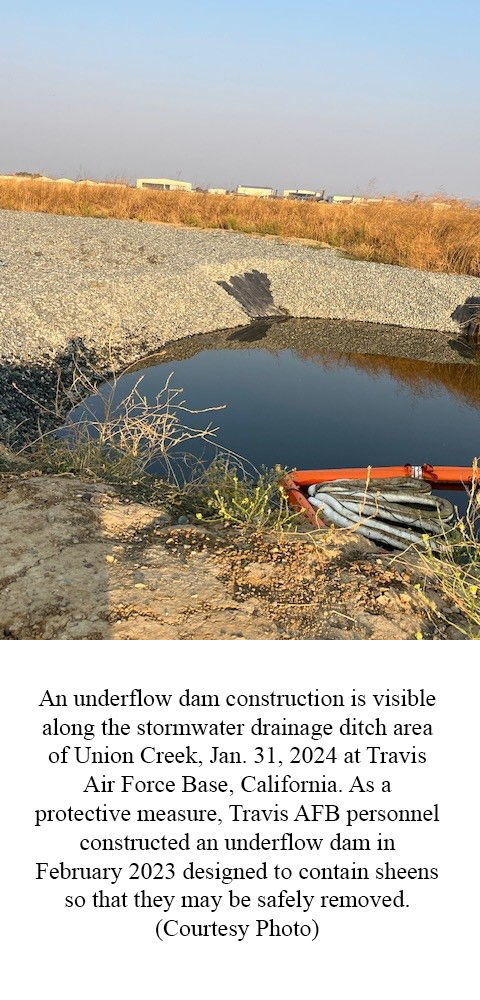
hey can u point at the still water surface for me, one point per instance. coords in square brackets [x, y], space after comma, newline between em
[325, 410]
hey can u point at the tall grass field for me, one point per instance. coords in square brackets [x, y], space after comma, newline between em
[425, 234]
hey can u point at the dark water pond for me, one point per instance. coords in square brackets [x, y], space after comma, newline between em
[323, 408]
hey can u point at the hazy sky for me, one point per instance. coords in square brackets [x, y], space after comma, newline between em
[341, 95]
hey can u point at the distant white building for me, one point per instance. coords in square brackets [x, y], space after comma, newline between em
[163, 184]
[217, 190]
[302, 194]
[342, 199]
[255, 192]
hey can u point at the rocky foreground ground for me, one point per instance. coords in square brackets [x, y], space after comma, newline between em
[78, 561]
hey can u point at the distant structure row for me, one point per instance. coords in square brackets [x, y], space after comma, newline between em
[244, 190]
[247, 190]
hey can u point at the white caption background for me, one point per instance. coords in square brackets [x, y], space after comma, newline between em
[301, 944]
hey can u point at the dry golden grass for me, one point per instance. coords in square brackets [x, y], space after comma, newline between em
[422, 234]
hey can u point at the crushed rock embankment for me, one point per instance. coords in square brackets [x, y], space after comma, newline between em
[117, 290]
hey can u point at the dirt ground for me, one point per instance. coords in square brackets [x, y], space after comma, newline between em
[78, 561]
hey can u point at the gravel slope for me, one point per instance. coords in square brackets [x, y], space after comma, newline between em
[120, 290]
[138, 286]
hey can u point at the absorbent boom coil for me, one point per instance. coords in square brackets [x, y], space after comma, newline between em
[392, 505]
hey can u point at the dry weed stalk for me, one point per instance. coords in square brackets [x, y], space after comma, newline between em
[455, 569]
[116, 434]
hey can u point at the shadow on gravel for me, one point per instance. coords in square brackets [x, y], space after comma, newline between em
[36, 396]
[251, 334]
[54, 579]
[467, 315]
[253, 292]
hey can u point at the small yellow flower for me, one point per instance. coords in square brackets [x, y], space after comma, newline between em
[473, 589]
[199, 516]
[418, 635]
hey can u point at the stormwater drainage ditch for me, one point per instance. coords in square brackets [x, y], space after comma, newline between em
[297, 395]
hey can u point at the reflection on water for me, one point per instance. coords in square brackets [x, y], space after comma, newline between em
[310, 408]
[420, 376]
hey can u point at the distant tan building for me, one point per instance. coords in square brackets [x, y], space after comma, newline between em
[255, 192]
[163, 184]
[302, 194]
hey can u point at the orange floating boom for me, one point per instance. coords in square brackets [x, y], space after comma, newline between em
[446, 477]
